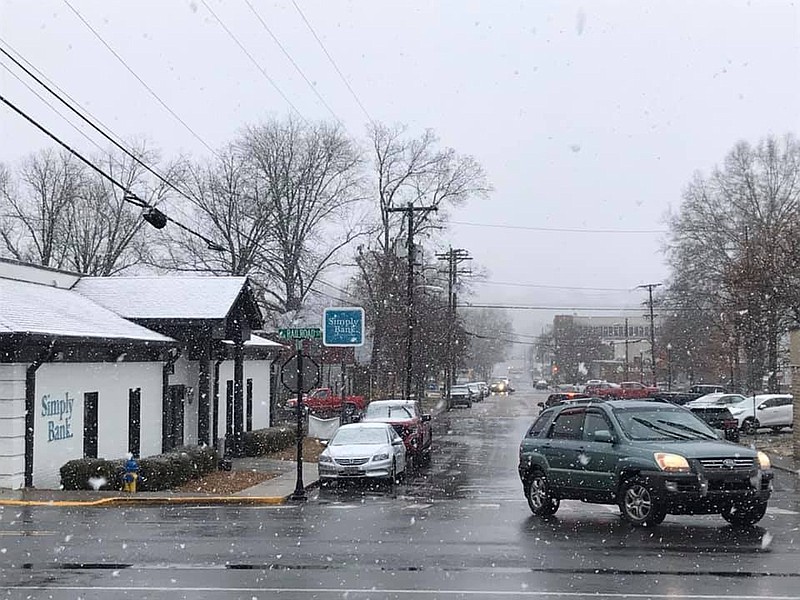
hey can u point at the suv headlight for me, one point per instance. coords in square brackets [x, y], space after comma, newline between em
[383, 456]
[763, 461]
[674, 463]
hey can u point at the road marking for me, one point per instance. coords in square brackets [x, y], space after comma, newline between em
[417, 506]
[781, 511]
[26, 533]
[370, 592]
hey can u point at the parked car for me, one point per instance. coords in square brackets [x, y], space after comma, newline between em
[363, 451]
[603, 388]
[715, 399]
[625, 390]
[541, 385]
[408, 420]
[771, 410]
[324, 399]
[561, 398]
[718, 417]
[649, 458]
[477, 391]
[460, 395]
[694, 392]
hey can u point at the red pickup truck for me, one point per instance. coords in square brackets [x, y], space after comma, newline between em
[324, 399]
[627, 390]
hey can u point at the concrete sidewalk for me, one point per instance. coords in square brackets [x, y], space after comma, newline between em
[275, 490]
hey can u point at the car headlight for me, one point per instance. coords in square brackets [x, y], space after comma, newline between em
[763, 461]
[382, 456]
[674, 463]
[324, 458]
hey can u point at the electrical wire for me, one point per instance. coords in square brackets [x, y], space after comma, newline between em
[529, 307]
[129, 196]
[53, 108]
[85, 119]
[561, 229]
[333, 62]
[551, 287]
[294, 64]
[252, 60]
[140, 80]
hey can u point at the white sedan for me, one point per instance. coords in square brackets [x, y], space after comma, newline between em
[363, 450]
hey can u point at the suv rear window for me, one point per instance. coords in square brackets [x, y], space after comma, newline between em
[568, 425]
[540, 424]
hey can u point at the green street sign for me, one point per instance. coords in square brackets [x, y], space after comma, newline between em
[300, 333]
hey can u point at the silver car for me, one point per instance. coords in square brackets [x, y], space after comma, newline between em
[361, 451]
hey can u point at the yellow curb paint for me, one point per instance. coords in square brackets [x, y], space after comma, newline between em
[163, 500]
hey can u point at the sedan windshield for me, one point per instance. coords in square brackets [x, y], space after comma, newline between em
[662, 423]
[389, 412]
[359, 435]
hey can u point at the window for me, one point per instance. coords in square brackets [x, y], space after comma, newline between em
[134, 421]
[249, 407]
[568, 425]
[539, 424]
[90, 425]
[594, 422]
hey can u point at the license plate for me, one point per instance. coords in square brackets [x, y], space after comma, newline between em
[351, 470]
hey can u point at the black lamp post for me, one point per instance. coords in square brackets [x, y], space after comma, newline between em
[669, 367]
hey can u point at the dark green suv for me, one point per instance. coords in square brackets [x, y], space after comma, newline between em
[650, 458]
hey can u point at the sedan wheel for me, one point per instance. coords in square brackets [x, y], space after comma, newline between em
[638, 504]
[541, 502]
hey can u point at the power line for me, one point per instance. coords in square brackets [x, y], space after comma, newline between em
[552, 287]
[140, 80]
[129, 196]
[252, 60]
[561, 229]
[294, 64]
[85, 119]
[530, 307]
[53, 108]
[333, 62]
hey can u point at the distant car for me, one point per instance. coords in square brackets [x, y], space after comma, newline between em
[771, 410]
[460, 395]
[500, 385]
[718, 417]
[407, 419]
[716, 399]
[541, 385]
[603, 388]
[363, 451]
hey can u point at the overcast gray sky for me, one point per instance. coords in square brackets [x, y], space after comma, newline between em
[589, 115]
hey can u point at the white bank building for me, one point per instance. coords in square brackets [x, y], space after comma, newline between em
[102, 366]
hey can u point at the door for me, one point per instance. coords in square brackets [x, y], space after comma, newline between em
[766, 412]
[249, 405]
[783, 411]
[90, 425]
[562, 447]
[599, 459]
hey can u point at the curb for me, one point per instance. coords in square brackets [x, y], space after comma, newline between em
[786, 470]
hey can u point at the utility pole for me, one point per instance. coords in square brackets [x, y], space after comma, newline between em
[454, 256]
[627, 378]
[650, 287]
[409, 211]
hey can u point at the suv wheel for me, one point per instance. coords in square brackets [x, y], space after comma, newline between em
[750, 426]
[744, 516]
[540, 500]
[639, 505]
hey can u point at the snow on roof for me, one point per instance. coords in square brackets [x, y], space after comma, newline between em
[164, 297]
[42, 309]
[258, 342]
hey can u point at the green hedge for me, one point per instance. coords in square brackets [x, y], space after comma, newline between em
[160, 472]
[270, 439]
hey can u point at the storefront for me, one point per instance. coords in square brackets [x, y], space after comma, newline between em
[99, 367]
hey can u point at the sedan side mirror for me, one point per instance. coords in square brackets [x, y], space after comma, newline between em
[426, 418]
[603, 436]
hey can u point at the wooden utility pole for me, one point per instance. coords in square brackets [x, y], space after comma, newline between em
[409, 211]
[454, 256]
[650, 287]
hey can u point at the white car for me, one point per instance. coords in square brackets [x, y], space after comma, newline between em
[363, 451]
[716, 399]
[771, 410]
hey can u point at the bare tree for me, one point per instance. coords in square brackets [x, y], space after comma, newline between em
[407, 170]
[733, 248]
[281, 200]
[35, 208]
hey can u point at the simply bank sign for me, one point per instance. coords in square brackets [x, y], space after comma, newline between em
[343, 326]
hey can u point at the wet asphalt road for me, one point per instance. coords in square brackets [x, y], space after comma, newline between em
[459, 528]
